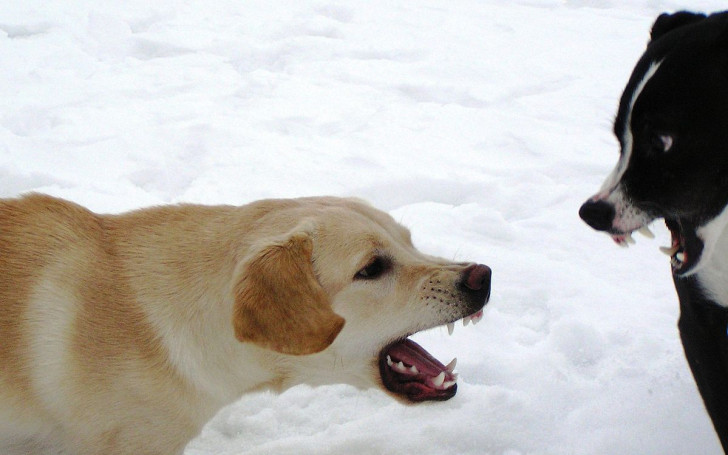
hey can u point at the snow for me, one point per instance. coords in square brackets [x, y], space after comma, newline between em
[481, 125]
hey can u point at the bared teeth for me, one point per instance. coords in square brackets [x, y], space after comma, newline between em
[439, 379]
[680, 257]
[644, 230]
[451, 366]
[399, 367]
[473, 318]
[626, 239]
[670, 250]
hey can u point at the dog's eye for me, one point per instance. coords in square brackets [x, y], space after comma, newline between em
[374, 269]
[662, 142]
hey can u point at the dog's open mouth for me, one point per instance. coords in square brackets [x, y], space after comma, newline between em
[685, 247]
[407, 369]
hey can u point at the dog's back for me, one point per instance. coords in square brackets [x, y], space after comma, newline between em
[62, 332]
[32, 232]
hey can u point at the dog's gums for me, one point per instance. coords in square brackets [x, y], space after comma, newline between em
[685, 248]
[408, 370]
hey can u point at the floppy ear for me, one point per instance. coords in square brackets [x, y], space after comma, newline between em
[666, 22]
[279, 303]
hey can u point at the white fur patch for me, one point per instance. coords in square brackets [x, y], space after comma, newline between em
[713, 266]
[610, 184]
[627, 217]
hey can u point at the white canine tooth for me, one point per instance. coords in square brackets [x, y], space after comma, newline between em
[450, 328]
[413, 369]
[439, 379]
[669, 250]
[466, 321]
[680, 257]
[644, 230]
[389, 361]
[477, 318]
[448, 384]
[451, 366]
[400, 367]
[628, 238]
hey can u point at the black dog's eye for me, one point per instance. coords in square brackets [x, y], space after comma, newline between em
[376, 267]
[662, 142]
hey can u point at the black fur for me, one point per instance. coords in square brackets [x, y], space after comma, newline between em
[678, 95]
[697, 84]
[703, 331]
[687, 98]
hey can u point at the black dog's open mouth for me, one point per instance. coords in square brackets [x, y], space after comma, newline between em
[407, 369]
[686, 248]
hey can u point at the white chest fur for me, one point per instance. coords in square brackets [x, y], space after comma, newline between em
[713, 276]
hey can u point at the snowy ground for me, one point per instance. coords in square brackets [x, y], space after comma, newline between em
[481, 125]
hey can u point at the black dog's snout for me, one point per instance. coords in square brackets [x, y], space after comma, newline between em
[476, 282]
[597, 214]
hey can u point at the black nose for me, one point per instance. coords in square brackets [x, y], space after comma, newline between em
[476, 283]
[597, 214]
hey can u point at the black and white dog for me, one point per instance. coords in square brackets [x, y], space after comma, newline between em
[672, 126]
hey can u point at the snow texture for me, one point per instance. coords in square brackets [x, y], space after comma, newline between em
[481, 125]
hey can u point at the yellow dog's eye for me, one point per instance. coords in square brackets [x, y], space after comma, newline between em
[374, 269]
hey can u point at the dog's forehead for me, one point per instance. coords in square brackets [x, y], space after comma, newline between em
[353, 218]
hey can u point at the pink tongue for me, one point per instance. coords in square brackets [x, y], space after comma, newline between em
[411, 353]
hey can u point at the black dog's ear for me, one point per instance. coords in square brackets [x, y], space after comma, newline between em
[667, 22]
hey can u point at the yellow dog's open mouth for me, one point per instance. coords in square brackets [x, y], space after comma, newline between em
[407, 369]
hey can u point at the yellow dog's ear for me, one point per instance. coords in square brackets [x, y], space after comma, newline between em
[279, 303]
